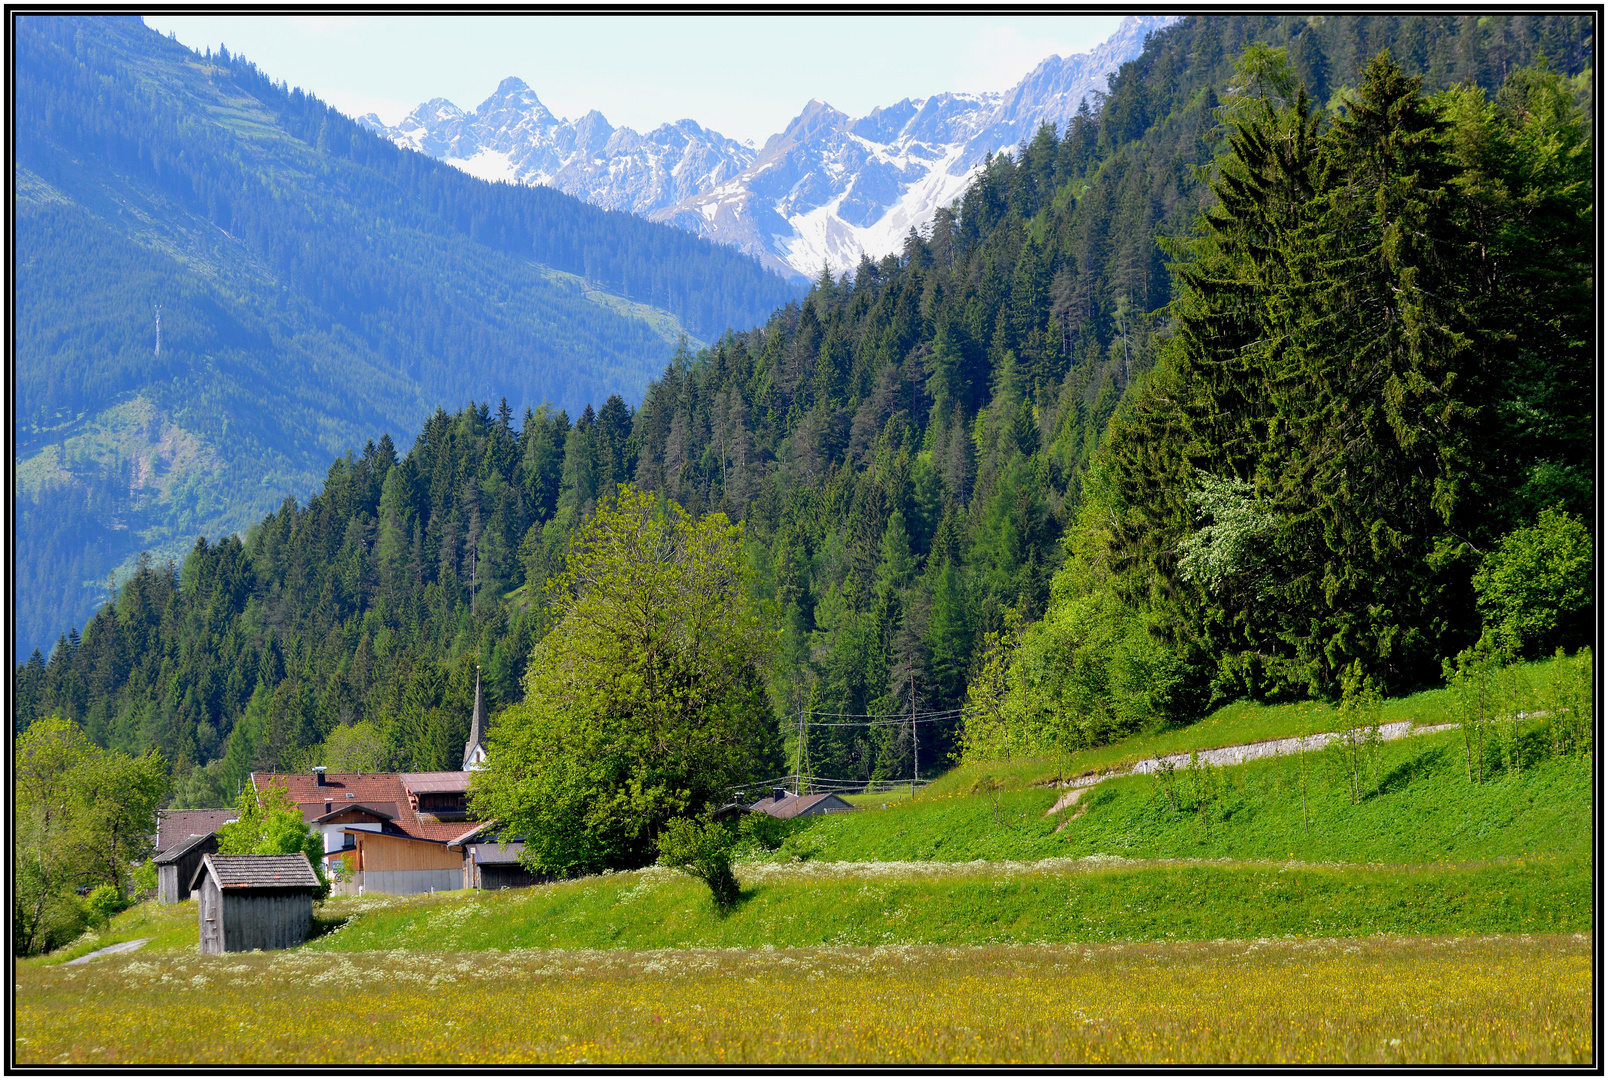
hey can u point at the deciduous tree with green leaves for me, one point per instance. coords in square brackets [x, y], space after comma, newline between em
[83, 816]
[702, 848]
[1534, 590]
[646, 701]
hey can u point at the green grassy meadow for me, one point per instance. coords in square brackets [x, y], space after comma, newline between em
[1429, 882]
[1379, 1000]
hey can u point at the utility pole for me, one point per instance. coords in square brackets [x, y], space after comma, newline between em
[915, 746]
[798, 755]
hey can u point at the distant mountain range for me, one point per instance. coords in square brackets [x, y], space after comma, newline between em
[826, 190]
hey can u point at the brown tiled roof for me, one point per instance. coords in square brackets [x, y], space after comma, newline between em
[259, 871]
[429, 783]
[182, 848]
[794, 805]
[177, 826]
[382, 791]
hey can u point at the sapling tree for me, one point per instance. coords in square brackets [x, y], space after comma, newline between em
[1357, 746]
[1568, 703]
[1167, 783]
[702, 848]
[1511, 702]
[1471, 679]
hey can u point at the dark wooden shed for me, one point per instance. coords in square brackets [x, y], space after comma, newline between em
[254, 901]
[176, 867]
[491, 865]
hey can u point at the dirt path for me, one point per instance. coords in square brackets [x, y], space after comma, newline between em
[1235, 755]
[110, 950]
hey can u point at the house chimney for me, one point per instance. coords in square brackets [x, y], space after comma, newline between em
[778, 794]
[318, 774]
[329, 803]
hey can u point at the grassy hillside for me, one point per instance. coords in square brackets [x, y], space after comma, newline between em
[1424, 810]
[888, 904]
[1427, 852]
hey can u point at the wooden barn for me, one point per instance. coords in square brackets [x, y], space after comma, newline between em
[254, 901]
[176, 867]
[396, 863]
[492, 861]
[497, 866]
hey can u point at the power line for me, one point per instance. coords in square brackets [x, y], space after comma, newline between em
[901, 717]
[892, 721]
[845, 783]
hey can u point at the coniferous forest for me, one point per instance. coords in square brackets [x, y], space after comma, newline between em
[1226, 390]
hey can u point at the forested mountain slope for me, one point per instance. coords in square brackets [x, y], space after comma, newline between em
[907, 448]
[317, 286]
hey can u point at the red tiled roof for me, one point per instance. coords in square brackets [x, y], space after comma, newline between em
[379, 790]
[177, 826]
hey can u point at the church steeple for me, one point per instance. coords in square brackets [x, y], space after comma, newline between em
[474, 754]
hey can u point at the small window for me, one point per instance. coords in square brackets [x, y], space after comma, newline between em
[351, 794]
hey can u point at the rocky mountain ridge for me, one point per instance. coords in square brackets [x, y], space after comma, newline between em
[827, 189]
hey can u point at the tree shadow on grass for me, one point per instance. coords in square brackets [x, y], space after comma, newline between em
[1420, 764]
[325, 924]
[738, 902]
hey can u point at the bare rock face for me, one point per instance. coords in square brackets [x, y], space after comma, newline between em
[827, 190]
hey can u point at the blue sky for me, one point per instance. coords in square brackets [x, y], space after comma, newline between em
[743, 76]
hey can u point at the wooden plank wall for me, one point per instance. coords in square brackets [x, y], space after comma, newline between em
[210, 914]
[265, 920]
[386, 853]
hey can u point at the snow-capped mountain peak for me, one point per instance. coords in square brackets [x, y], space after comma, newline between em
[828, 188]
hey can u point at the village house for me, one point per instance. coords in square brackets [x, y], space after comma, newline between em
[254, 901]
[374, 838]
[785, 804]
[390, 832]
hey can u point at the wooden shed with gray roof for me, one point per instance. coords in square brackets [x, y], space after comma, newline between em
[254, 901]
[176, 867]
